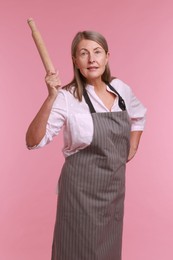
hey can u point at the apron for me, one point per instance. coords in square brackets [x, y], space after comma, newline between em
[90, 206]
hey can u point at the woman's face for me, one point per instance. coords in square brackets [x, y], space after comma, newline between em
[91, 60]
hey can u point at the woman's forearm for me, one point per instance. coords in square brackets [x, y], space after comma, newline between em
[134, 143]
[37, 128]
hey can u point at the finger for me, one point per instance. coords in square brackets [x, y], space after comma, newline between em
[52, 79]
[49, 73]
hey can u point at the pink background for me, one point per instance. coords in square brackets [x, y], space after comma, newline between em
[139, 33]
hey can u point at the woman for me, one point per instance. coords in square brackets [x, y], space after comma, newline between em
[102, 122]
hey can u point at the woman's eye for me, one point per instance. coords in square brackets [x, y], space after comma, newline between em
[83, 53]
[98, 52]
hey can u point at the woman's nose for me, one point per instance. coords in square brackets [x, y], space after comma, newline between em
[91, 57]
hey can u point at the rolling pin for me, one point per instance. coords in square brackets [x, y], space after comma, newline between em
[48, 65]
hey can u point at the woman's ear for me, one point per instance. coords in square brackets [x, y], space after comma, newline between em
[108, 55]
[75, 62]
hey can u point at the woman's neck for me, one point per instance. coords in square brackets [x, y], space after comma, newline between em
[98, 84]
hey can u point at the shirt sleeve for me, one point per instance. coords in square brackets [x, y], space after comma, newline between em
[137, 112]
[56, 120]
[135, 109]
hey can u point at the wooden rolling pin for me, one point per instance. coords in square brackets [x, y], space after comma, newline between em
[41, 46]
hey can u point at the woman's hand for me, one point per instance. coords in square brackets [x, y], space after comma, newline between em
[134, 143]
[53, 82]
[132, 153]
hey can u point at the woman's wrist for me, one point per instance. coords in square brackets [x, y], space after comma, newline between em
[51, 97]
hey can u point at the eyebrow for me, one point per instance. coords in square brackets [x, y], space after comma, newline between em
[84, 49]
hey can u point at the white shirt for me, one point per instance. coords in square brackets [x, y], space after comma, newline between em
[75, 117]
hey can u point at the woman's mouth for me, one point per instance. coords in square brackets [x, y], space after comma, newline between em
[92, 68]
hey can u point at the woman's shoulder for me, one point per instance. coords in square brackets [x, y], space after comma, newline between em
[64, 98]
[68, 97]
[68, 93]
[120, 86]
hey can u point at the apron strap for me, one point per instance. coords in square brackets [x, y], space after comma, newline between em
[121, 102]
[88, 101]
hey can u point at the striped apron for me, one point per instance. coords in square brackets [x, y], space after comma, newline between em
[90, 207]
